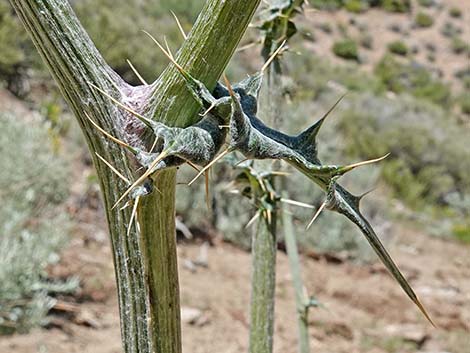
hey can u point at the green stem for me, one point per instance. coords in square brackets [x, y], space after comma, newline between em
[205, 54]
[264, 245]
[300, 297]
[159, 253]
[273, 99]
[263, 250]
[263, 284]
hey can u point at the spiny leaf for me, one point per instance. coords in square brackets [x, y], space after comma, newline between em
[343, 204]
[309, 135]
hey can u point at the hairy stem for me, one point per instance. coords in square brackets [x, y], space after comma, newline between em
[205, 54]
[159, 254]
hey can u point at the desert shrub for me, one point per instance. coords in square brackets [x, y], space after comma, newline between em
[401, 77]
[343, 28]
[10, 32]
[17, 51]
[455, 12]
[346, 49]
[326, 27]
[322, 74]
[460, 46]
[427, 3]
[363, 27]
[464, 76]
[464, 102]
[398, 47]
[401, 6]
[466, 82]
[423, 20]
[430, 47]
[366, 41]
[355, 6]
[429, 157]
[373, 3]
[450, 30]
[460, 203]
[188, 10]
[431, 57]
[33, 182]
[462, 232]
[327, 5]
[395, 27]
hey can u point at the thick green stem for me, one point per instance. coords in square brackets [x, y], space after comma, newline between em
[159, 253]
[300, 295]
[205, 54]
[145, 259]
[263, 285]
[204, 57]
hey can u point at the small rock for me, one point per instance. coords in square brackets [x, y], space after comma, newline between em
[189, 265]
[189, 315]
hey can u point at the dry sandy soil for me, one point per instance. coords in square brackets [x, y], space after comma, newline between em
[378, 24]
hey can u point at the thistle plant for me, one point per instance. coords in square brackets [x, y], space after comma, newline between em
[254, 140]
[139, 135]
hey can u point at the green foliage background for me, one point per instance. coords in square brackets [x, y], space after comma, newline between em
[35, 182]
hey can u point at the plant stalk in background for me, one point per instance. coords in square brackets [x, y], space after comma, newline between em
[277, 28]
[301, 298]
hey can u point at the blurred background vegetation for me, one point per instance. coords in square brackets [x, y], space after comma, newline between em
[403, 98]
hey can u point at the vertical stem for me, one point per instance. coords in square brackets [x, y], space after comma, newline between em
[74, 62]
[263, 285]
[300, 299]
[264, 248]
[157, 227]
[272, 111]
[264, 245]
